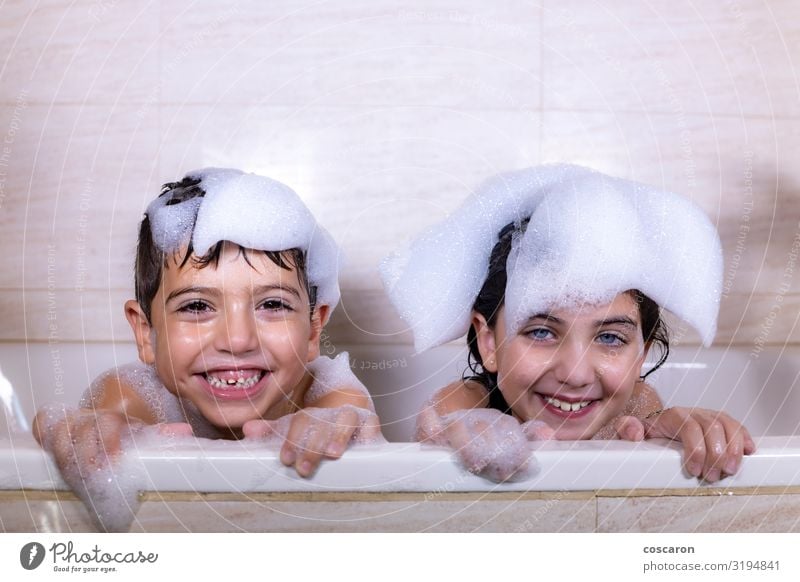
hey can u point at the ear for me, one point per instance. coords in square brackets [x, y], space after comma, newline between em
[487, 343]
[141, 331]
[317, 322]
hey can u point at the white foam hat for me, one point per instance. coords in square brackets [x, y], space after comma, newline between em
[590, 237]
[252, 211]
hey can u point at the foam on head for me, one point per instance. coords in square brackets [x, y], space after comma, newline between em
[252, 211]
[590, 237]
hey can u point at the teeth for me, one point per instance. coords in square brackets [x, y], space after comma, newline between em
[238, 383]
[567, 406]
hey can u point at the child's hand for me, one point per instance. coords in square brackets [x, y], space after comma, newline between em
[488, 443]
[80, 439]
[713, 442]
[312, 434]
[85, 440]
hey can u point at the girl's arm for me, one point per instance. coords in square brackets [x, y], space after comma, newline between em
[713, 442]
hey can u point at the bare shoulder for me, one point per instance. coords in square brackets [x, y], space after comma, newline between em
[460, 395]
[116, 394]
[643, 401]
[342, 397]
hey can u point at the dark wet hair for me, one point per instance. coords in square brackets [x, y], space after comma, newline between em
[492, 297]
[151, 261]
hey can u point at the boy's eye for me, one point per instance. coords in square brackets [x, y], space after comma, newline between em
[611, 339]
[276, 305]
[195, 306]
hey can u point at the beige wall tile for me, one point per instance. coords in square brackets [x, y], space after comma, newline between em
[728, 166]
[64, 315]
[372, 177]
[487, 515]
[79, 52]
[77, 181]
[757, 513]
[729, 57]
[366, 53]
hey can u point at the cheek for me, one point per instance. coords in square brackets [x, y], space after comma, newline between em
[287, 339]
[619, 376]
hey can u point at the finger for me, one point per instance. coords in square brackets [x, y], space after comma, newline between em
[537, 430]
[370, 431]
[716, 445]
[694, 446]
[736, 436]
[175, 429]
[294, 436]
[429, 427]
[342, 433]
[311, 451]
[257, 429]
[749, 444]
[629, 428]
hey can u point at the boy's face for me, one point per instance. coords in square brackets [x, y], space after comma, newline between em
[232, 338]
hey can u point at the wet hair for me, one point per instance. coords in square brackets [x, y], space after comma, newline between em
[492, 297]
[151, 261]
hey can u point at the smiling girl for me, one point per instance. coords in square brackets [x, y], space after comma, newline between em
[560, 317]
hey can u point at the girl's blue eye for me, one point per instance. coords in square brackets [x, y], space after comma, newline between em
[610, 339]
[540, 333]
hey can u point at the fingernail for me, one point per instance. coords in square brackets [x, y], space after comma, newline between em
[732, 466]
[288, 458]
[694, 469]
[305, 469]
[334, 449]
[712, 476]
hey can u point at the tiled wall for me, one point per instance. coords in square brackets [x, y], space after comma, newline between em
[383, 115]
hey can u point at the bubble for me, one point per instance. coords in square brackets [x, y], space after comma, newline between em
[590, 237]
[252, 211]
[333, 374]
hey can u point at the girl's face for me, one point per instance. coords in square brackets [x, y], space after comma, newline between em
[574, 369]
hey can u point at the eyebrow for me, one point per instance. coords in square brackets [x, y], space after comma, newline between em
[214, 292]
[614, 320]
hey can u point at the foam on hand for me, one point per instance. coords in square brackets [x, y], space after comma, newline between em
[108, 484]
[590, 237]
[250, 210]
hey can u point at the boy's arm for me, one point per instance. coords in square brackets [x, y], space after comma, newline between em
[87, 437]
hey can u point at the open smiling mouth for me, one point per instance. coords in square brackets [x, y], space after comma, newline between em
[567, 409]
[235, 384]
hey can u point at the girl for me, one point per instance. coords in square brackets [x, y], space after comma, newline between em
[561, 315]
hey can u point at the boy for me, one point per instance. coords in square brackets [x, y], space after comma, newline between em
[234, 283]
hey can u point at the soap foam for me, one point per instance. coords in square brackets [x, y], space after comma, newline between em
[333, 374]
[108, 485]
[590, 237]
[594, 237]
[252, 211]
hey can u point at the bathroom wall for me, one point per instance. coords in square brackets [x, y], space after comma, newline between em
[384, 115]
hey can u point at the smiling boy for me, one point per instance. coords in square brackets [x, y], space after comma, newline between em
[234, 283]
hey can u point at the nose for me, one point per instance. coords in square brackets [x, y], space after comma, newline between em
[237, 334]
[574, 365]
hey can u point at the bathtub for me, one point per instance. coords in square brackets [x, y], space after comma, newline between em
[404, 486]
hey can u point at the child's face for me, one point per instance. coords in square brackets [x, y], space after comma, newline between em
[232, 338]
[586, 360]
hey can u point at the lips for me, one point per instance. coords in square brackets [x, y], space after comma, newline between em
[235, 384]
